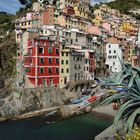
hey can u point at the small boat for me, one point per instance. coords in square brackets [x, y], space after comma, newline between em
[121, 89]
[92, 98]
[93, 85]
[100, 94]
[112, 91]
[50, 122]
[86, 92]
[115, 106]
[77, 101]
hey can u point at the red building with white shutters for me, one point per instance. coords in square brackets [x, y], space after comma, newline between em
[42, 61]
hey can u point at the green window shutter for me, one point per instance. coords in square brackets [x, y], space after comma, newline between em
[57, 61]
[50, 70]
[50, 60]
[50, 50]
[57, 70]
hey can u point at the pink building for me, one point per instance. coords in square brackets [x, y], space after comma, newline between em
[106, 26]
[94, 30]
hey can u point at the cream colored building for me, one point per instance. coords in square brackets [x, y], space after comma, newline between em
[65, 66]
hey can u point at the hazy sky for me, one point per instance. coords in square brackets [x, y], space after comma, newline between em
[11, 6]
[97, 1]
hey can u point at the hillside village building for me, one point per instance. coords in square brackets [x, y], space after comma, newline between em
[59, 42]
[114, 53]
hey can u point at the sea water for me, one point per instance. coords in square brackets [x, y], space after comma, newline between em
[84, 127]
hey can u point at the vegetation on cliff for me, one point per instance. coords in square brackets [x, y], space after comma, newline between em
[8, 47]
[125, 6]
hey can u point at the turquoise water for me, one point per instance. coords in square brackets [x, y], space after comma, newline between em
[84, 127]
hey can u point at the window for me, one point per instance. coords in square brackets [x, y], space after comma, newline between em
[71, 41]
[114, 51]
[63, 46]
[109, 46]
[50, 70]
[57, 61]
[62, 70]
[75, 67]
[57, 51]
[41, 60]
[109, 56]
[50, 50]
[50, 60]
[78, 76]
[51, 44]
[113, 63]
[67, 61]
[41, 50]
[28, 70]
[41, 70]
[62, 61]
[67, 54]
[77, 58]
[75, 76]
[62, 54]
[67, 70]
[79, 66]
[109, 51]
[57, 70]
[86, 61]
[45, 44]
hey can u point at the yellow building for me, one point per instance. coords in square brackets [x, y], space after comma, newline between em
[65, 66]
[126, 26]
[73, 22]
[104, 7]
[96, 22]
[98, 13]
[81, 11]
[98, 17]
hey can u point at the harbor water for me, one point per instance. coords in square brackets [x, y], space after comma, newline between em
[84, 127]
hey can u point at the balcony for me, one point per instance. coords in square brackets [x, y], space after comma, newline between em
[17, 26]
[75, 53]
[56, 13]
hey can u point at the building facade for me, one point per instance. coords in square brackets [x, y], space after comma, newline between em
[114, 53]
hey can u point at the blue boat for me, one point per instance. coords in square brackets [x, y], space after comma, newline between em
[120, 89]
[76, 101]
